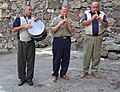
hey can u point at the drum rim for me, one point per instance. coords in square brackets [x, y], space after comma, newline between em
[31, 29]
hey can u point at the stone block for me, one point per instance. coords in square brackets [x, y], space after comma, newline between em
[113, 47]
[104, 53]
[74, 46]
[4, 51]
[5, 6]
[12, 0]
[117, 39]
[53, 4]
[13, 6]
[1, 1]
[113, 56]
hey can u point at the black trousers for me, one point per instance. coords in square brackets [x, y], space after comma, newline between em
[26, 59]
[61, 55]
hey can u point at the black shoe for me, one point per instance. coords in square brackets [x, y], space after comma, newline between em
[21, 82]
[30, 83]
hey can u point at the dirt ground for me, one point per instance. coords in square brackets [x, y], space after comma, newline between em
[109, 71]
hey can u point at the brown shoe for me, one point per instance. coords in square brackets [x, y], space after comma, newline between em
[84, 75]
[65, 77]
[95, 75]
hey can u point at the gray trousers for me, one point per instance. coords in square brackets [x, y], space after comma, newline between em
[92, 48]
[26, 59]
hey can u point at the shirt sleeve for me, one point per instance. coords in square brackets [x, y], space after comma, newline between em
[71, 23]
[16, 22]
[53, 23]
[83, 19]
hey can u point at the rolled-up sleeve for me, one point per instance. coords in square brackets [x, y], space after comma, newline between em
[53, 23]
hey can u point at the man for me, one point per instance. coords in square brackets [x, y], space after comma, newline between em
[26, 47]
[61, 30]
[95, 22]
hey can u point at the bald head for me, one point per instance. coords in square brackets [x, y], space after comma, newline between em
[95, 7]
[95, 3]
[28, 11]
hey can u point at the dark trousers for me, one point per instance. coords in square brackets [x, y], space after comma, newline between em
[61, 55]
[26, 59]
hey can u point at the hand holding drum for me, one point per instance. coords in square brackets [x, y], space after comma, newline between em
[37, 32]
[36, 19]
[27, 26]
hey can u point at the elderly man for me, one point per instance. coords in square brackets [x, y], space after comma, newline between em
[61, 30]
[26, 47]
[95, 22]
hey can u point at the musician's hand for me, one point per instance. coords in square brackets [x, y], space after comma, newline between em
[66, 21]
[61, 22]
[36, 19]
[27, 26]
[95, 16]
[99, 18]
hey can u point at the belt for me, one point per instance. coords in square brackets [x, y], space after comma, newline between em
[64, 37]
[92, 35]
[26, 41]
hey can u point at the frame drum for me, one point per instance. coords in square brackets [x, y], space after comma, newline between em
[37, 32]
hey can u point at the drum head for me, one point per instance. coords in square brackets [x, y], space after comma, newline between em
[37, 28]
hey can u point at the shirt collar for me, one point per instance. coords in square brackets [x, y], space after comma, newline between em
[29, 17]
[62, 17]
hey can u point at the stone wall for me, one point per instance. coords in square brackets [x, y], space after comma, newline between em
[47, 9]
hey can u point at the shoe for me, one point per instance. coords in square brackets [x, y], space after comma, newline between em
[95, 75]
[55, 78]
[30, 83]
[21, 82]
[84, 75]
[65, 77]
